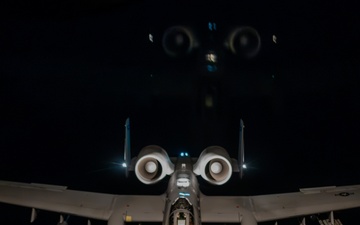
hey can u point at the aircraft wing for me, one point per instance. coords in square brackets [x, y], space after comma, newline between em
[230, 209]
[136, 208]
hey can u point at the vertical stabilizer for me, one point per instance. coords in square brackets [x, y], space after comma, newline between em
[127, 153]
[241, 153]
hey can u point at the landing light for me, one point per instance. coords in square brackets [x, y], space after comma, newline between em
[244, 166]
[182, 183]
[124, 165]
[211, 57]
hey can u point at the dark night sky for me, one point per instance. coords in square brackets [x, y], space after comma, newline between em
[71, 73]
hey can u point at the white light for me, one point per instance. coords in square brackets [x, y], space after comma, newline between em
[244, 166]
[211, 57]
[183, 182]
[274, 38]
[124, 165]
[181, 222]
[151, 38]
[150, 167]
[216, 167]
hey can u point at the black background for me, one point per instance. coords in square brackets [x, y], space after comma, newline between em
[72, 72]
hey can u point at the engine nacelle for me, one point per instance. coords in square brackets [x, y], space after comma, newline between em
[178, 41]
[244, 41]
[153, 164]
[214, 165]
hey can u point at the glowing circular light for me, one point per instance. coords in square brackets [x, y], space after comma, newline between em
[150, 167]
[216, 167]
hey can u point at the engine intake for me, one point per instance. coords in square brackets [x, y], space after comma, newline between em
[244, 41]
[214, 165]
[153, 164]
[178, 41]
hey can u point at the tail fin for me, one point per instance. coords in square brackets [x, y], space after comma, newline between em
[127, 152]
[241, 153]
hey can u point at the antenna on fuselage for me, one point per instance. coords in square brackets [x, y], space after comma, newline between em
[241, 151]
[127, 153]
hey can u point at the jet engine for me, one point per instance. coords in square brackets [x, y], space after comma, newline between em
[244, 41]
[214, 165]
[153, 164]
[178, 41]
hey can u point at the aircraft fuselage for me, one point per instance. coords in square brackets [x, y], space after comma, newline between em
[182, 205]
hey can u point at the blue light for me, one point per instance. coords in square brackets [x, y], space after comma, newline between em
[211, 68]
[182, 154]
[210, 26]
[184, 194]
[124, 165]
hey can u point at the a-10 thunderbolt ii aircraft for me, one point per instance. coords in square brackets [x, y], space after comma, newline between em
[183, 203]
